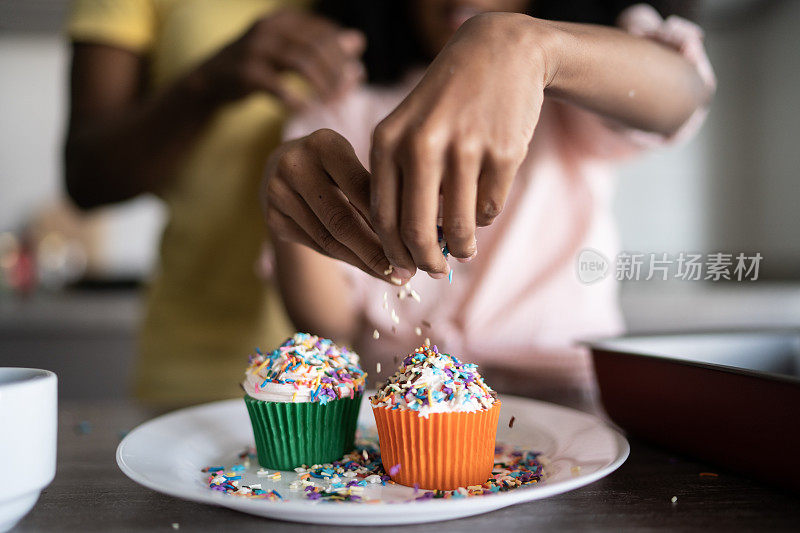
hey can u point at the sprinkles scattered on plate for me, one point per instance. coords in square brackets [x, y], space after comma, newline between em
[230, 483]
[349, 479]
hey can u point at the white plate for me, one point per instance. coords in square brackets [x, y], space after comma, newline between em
[167, 454]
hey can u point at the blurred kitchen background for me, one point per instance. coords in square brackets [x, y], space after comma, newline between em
[70, 284]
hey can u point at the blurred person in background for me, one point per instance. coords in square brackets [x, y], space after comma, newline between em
[185, 100]
[446, 129]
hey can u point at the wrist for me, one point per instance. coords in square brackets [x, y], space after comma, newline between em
[549, 45]
[540, 42]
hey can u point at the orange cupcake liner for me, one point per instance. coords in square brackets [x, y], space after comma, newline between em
[442, 452]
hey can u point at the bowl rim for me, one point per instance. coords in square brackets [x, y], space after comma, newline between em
[27, 377]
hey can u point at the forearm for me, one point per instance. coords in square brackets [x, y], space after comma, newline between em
[115, 155]
[633, 80]
[315, 292]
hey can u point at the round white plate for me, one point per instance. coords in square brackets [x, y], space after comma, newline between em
[167, 454]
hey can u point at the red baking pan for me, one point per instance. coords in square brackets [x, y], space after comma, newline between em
[731, 398]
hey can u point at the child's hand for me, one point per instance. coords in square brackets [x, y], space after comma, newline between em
[463, 132]
[316, 193]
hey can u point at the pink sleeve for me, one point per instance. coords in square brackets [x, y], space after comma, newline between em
[317, 117]
[348, 116]
[606, 139]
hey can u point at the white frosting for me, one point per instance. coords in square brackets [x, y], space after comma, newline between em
[430, 382]
[275, 392]
[306, 368]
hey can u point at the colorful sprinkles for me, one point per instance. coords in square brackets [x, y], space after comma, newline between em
[311, 365]
[231, 482]
[429, 381]
[349, 479]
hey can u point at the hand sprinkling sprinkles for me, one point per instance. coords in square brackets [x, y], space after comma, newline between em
[351, 479]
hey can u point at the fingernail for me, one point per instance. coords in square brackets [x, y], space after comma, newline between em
[403, 273]
[437, 275]
[467, 259]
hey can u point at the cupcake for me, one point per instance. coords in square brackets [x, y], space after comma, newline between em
[303, 400]
[437, 422]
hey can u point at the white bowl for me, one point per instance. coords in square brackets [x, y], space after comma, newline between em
[28, 411]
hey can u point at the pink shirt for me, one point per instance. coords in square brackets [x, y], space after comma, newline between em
[519, 303]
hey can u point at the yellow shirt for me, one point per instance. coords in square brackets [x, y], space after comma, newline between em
[206, 306]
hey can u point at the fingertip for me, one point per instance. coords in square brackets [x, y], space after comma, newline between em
[352, 42]
[440, 275]
[403, 273]
[483, 221]
[467, 259]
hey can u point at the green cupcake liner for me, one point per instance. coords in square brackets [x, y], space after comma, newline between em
[289, 435]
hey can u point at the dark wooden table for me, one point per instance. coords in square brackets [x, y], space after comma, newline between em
[90, 493]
